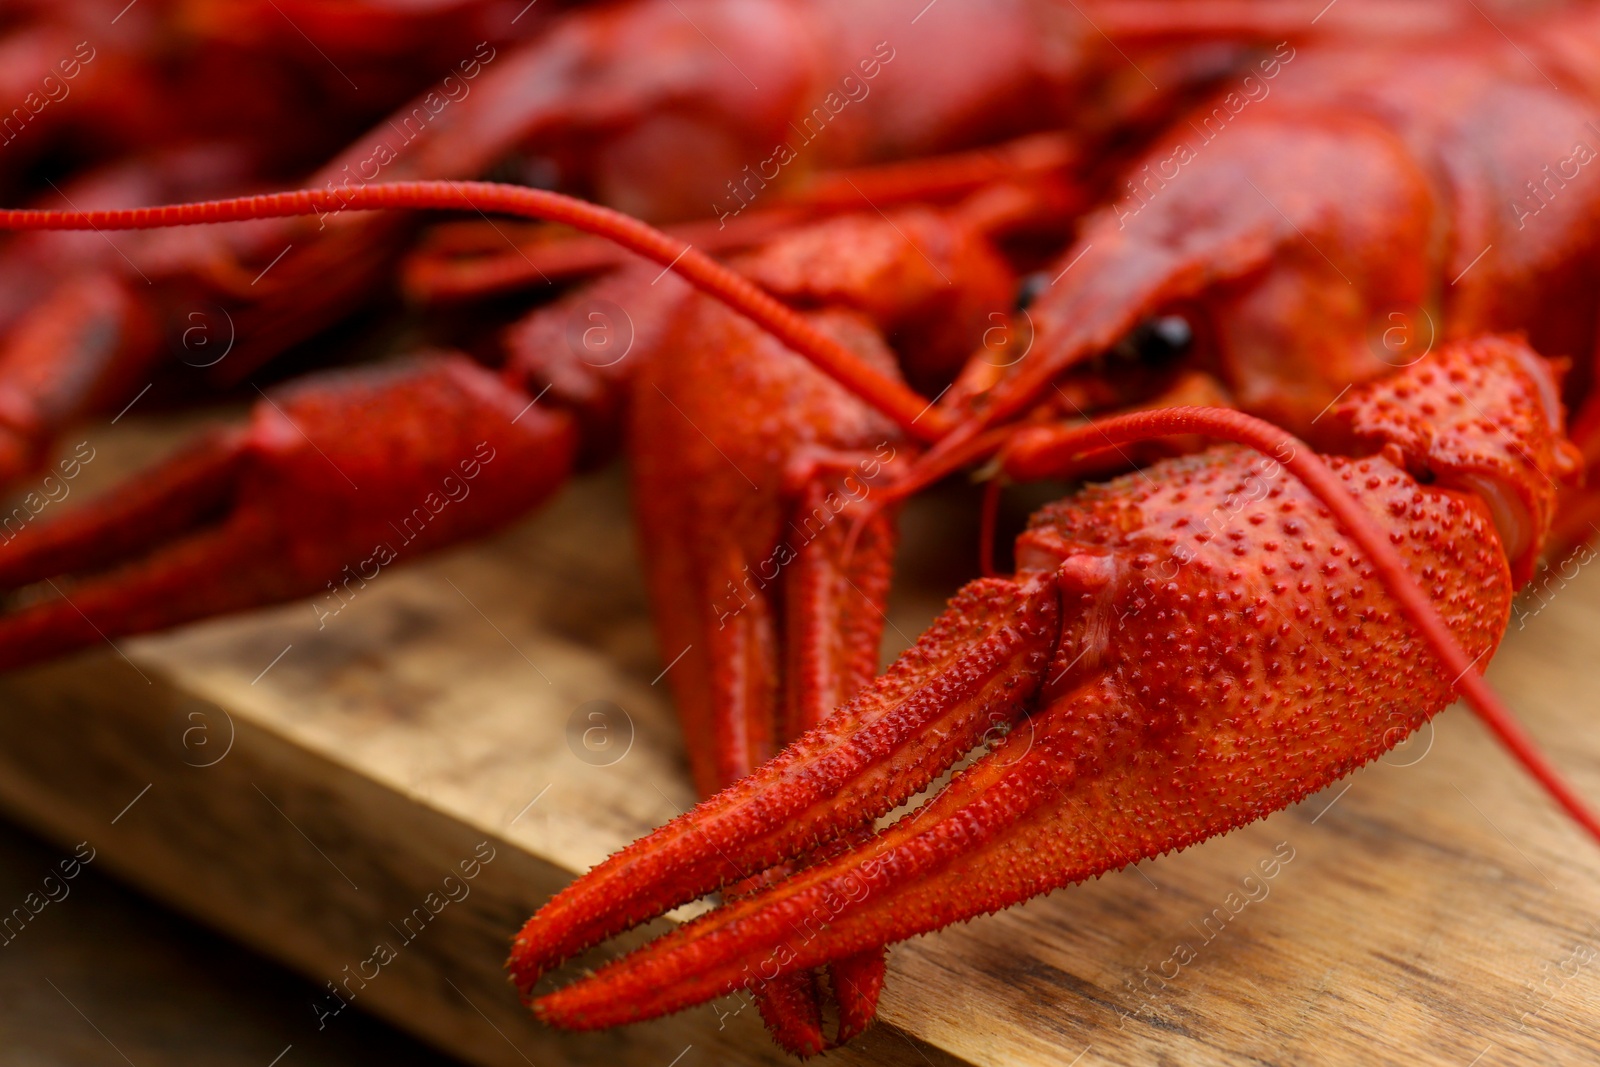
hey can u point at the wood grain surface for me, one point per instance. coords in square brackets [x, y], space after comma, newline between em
[307, 785]
[104, 977]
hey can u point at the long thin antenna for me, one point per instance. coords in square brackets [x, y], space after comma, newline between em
[909, 411]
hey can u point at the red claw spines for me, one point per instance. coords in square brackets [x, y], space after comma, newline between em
[799, 923]
[1232, 575]
[980, 659]
[857, 982]
[835, 597]
[791, 1009]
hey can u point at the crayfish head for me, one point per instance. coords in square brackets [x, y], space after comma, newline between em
[1286, 267]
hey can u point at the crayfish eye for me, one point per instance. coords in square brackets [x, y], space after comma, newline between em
[1158, 340]
[1029, 288]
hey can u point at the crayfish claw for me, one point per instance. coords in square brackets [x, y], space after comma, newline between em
[1244, 655]
[1483, 415]
[289, 505]
[979, 661]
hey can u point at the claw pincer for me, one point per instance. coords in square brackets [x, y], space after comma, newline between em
[292, 504]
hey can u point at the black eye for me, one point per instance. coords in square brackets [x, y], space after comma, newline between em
[1030, 288]
[1159, 339]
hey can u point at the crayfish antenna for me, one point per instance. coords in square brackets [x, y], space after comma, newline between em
[473, 260]
[908, 410]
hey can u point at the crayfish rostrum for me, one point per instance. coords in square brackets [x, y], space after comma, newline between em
[1303, 528]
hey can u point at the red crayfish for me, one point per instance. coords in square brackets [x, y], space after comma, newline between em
[1302, 329]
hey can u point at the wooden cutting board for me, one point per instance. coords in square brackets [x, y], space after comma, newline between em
[319, 788]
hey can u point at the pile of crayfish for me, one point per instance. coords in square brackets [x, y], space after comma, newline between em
[1303, 297]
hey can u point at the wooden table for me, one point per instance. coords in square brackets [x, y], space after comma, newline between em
[104, 977]
[304, 788]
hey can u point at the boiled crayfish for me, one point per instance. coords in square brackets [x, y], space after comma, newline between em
[1181, 650]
